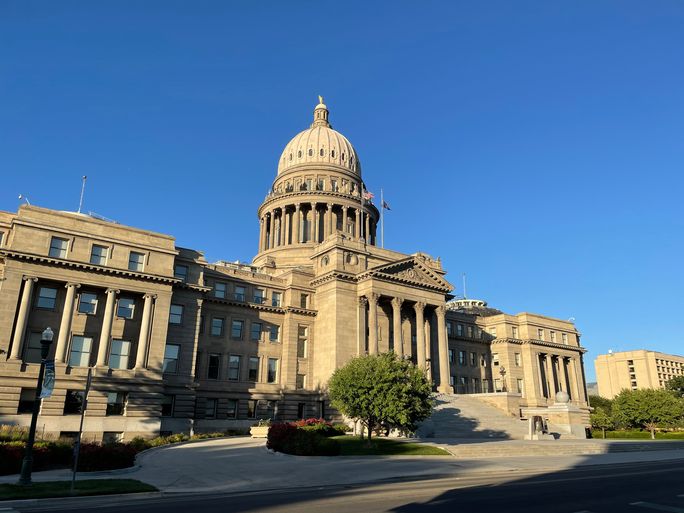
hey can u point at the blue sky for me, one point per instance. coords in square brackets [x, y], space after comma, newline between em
[536, 146]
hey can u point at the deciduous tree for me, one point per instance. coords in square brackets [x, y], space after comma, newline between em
[648, 408]
[381, 390]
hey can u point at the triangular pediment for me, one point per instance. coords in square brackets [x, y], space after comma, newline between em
[411, 271]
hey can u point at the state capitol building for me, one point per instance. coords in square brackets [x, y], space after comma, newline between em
[176, 342]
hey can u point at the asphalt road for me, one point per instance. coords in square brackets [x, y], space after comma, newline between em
[637, 488]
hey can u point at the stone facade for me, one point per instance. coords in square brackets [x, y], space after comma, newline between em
[631, 370]
[178, 343]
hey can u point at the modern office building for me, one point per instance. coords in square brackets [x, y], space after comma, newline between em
[630, 370]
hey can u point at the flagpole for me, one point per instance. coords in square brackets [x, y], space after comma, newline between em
[363, 191]
[382, 220]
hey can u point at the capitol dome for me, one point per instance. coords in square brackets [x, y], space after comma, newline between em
[319, 144]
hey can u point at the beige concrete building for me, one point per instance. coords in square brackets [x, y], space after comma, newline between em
[630, 370]
[178, 343]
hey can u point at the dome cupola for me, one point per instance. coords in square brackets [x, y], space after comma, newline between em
[319, 144]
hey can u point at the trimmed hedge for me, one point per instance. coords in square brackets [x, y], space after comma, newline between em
[308, 437]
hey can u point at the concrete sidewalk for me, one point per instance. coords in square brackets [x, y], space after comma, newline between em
[244, 464]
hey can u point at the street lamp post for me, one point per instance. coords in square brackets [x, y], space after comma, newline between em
[502, 371]
[27, 464]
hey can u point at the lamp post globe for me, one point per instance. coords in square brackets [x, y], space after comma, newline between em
[27, 464]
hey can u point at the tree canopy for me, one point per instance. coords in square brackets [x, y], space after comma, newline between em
[676, 384]
[596, 401]
[381, 390]
[647, 408]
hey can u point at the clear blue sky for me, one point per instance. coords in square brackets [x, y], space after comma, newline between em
[537, 146]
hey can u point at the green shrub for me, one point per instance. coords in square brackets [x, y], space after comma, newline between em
[301, 441]
[105, 457]
[10, 433]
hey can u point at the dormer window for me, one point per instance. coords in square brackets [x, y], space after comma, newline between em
[180, 272]
[136, 261]
[98, 254]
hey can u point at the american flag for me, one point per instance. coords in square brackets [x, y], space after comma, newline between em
[367, 195]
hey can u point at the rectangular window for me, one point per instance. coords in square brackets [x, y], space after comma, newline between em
[210, 407]
[450, 329]
[171, 353]
[58, 247]
[483, 361]
[540, 334]
[136, 261]
[300, 383]
[473, 359]
[272, 370]
[565, 338]
[116, 403]
[47, 298]
[27, 399]
[125, 308]
[87, 303]
[33, 347]
[333, 185]
[73, 402]
[470, 332]
[255, 331]
[302, 338]
[476, 385]
[253, 369]
[515, 331]
[259, 297]
[485, 386]
[234, 367]
[275, 298]
[518, 359]
[167, 405]
[459, 330]
[451, 356]
[2, 237]
[461, 357]
[180, 272]
[220, 290]
[236, 329]
[497, 385]
[300, 410]
[176, 314]
[201, 324]
[118, 356]
[519, 385]
[214, 367]
[98, 254]
[216, 326]
[239, 294]
[232, 406]
[80, 351]
[274, 334]
[553, 336]
[495, 359]
[251, 408]
[304, 301]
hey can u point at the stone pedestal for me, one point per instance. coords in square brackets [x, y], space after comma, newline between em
[563, 420]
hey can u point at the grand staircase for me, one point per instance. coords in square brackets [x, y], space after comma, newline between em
[463, 416]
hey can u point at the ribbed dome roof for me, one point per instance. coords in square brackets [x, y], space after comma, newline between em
[319, 144]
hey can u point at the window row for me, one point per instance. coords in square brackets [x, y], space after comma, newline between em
[234, 371]
[117, 402]
[99, 254]
[46, 299]
[471, 359]
[222, 290]
[81, 351]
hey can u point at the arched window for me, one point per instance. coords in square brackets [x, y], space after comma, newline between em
[342, 155]
[322, 152]
[290, 156]
[310, 152]
[299, 154]
[332, 153]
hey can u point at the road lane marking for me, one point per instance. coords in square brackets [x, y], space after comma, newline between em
[659, 507]
[583, 511]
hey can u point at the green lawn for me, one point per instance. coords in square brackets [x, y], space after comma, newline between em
[62, 488]
[638, 435]
[354, 446]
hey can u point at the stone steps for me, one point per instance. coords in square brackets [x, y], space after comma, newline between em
[461, 416]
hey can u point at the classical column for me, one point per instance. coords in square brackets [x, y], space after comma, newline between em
[22, 318]
[329, 229]
[271, 228]
[564, 363]
[317, 224]
[428, 349]
[443, 344]
[297, 224]
[420, 334]
[572, 368]
[549, 376]
[261, 234]
[65, 325]
[361, 344]
[106, 327]
[286, 240]
[144, 338]
[367, 235]
[373, 322]
[344, 219]
[396, 323]
[276, 230]
[357, 228]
